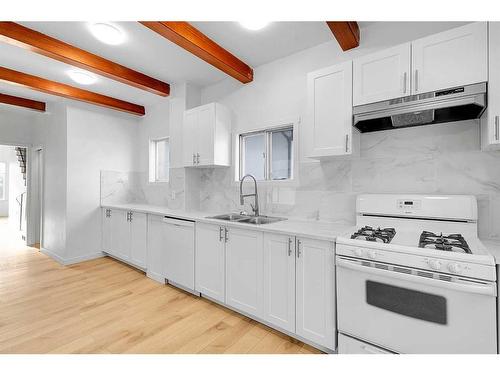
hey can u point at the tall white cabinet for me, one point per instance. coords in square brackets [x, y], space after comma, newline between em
[207, 136]
[329, 130]
[490, 122]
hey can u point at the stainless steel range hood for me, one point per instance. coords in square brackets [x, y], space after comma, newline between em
[456, 104]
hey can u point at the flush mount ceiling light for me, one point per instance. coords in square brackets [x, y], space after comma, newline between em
[254, 24]
[82, 77]
[107, 33]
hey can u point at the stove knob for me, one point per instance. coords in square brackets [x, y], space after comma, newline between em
[455, 268]
[358, 252]
[435, 264]
[372, 254]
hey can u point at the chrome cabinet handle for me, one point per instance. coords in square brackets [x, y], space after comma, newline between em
[416, 80]
[289, 246]
[130, 213]
[220, 233]
[298, 248]
[226, 235]
[194, 159]
[497, 128]
[128, 216]
[347, 143]
[405, 75]
[197, 158]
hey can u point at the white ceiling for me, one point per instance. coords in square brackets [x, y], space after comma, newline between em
[155, 56]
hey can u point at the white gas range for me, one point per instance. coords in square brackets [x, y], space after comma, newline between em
[415, 278]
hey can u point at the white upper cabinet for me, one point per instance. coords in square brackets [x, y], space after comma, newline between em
[382, 75]
[490, 122]
[452, 58]
[207, 136]
[329, 130]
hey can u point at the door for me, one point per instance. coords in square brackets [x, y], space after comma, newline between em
[490, 123]
[189, 138]
[419, 312]
[452, 58]
[244, 270]
[329, 132]
[210, 261]
[315, 273]
[382, 76]
[138, 239]
[106, 229]
[156, 248]
[279, 280]
[205, 135]
[120, 234]
[179, 262]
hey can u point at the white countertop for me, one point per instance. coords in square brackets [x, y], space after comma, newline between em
[308, 228]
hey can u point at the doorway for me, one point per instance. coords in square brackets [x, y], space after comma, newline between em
[13, 192]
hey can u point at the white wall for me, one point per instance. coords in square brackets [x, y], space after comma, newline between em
[7, 156]
[17, 127]
[96, 140]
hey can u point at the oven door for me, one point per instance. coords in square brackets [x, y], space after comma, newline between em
[412, 311]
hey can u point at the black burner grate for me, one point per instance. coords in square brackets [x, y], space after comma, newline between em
[450, 242]
[367, 233]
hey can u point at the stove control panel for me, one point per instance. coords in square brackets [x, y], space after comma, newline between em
[409, 206]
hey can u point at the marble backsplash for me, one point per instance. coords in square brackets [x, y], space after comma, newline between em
[436, 159]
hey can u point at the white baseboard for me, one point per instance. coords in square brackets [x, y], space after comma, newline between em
[68, 261]
[53, 255]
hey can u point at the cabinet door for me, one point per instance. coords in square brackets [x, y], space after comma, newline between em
[205, 135]
[189, 137]
[490, 123]
[382, 76]
[244, 270]
[120, 236]
[209, 261]
[179, 262]
[138, 239]
[279, 280]
[452, 58]
[315, 277]
[106, 229]
[156, 253]
[329, 132]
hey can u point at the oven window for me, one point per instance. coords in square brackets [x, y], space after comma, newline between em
[412, 303]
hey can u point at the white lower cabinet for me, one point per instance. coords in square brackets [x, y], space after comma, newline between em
[315, 291]
[279, 280]
[244, 270]
[210, 261]
[124, 235]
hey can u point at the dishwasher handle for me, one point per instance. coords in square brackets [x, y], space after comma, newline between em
[178, 222]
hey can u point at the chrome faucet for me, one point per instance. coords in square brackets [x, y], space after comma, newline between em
[255, 195]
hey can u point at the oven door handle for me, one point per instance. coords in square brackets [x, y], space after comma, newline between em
[488, 289]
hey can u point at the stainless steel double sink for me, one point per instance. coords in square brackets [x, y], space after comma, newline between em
[247, 219]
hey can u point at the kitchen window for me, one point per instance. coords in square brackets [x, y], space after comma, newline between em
[3, 173]
[159, 160]
[267, 154]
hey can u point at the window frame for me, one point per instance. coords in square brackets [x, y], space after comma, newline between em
[269, 129]
[153, 160]
[3, 197]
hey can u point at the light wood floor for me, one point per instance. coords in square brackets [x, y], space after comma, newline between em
[104, 306]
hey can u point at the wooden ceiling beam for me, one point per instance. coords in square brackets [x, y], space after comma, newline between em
[66, 91]
[18, 35]
[22, 102]
[191, 39]
[346, 33]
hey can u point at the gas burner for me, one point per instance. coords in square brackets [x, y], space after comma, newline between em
[451, 242]
[367, 233]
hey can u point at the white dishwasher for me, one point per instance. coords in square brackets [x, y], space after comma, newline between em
[179, 252]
